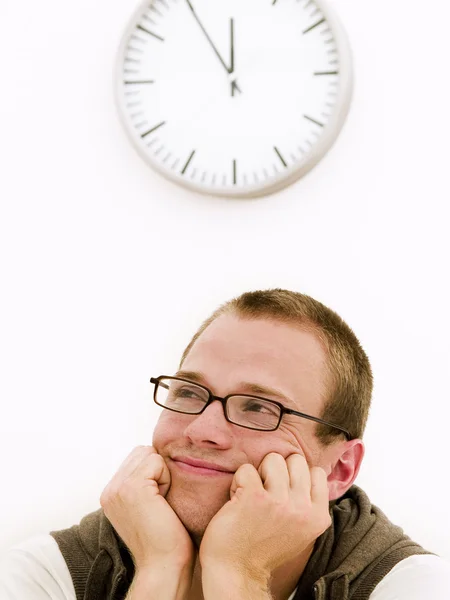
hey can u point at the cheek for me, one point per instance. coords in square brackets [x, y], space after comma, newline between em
[167, 430]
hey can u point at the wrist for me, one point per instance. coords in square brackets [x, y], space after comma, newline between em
[228, 583]
[160, 582]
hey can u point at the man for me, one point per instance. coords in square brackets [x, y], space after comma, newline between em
[247, 490]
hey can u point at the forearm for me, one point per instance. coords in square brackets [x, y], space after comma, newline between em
[220, 584]
[161, 584]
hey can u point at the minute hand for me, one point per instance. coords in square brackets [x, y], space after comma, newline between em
[228, 69]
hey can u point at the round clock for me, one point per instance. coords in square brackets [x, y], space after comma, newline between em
[233, 98]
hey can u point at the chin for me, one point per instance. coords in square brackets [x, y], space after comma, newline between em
[194, 508]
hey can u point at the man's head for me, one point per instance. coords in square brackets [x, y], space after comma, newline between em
[293, 350]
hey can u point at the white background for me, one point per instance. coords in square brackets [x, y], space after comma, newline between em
[107, 269]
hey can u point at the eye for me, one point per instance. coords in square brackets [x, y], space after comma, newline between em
[258, 406]
[186, 391]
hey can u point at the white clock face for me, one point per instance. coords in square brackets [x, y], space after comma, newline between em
[233, 97]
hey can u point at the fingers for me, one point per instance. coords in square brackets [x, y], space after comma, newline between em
[299, 473]
[143, 463]
[246, 479]
[319, 486]
[274, 474]
[281, 476]
[133, 460]
[153, 468]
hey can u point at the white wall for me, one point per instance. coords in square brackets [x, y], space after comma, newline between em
[98, 293]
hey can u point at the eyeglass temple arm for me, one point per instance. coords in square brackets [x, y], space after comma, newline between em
[317, 420]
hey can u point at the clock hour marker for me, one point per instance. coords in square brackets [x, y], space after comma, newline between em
[158, 37]
[138, 39]
[279, 156]
[134, 49]
[326, 73]
[153, 129]
[149, 19]
[315, 25]
[152, 7]
[234, 171]
[143, 81]
[188, 161]
[314, 121]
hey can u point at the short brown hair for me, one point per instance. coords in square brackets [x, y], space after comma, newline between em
[348, 401]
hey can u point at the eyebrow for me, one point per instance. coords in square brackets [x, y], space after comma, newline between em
[253, 388]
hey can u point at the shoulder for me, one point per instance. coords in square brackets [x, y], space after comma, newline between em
[35, 568]
[417, 577]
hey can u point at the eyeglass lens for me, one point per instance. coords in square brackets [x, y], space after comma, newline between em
[189, 398]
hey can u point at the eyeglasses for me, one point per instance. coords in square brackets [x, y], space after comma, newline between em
[244, 410]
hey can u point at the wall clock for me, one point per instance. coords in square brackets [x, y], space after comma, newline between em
[234, 98]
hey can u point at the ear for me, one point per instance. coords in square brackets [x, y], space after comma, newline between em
[345, 464]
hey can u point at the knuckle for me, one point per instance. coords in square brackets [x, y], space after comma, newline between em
[246, 468]
[274, 456]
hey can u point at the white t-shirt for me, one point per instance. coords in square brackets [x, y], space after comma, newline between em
[36, 570]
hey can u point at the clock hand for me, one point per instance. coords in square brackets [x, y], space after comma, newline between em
[207, 36]
[211, 43]
[231, 45]
[234, 85]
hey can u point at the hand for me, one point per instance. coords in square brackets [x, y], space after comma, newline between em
[134, 502]
[274, 514]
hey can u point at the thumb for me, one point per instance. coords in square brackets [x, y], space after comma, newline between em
[246, 479]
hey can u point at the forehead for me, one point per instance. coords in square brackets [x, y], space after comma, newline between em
[234, 351]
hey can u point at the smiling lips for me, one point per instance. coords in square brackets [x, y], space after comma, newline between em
[200, 467]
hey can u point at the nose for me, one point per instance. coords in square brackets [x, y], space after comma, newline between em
[210, 427]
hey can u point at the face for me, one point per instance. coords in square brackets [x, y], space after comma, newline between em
[234, 355]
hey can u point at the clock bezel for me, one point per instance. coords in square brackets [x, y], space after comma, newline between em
[283, 179]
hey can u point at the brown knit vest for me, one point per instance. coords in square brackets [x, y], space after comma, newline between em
[349, 559]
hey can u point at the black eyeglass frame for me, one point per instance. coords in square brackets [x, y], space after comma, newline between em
[283, 410]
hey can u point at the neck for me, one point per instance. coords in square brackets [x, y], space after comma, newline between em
[283, 581]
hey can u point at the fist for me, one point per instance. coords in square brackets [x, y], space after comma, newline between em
[134, 502]
[274, 515]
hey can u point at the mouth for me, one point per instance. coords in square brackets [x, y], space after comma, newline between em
[195, 467]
